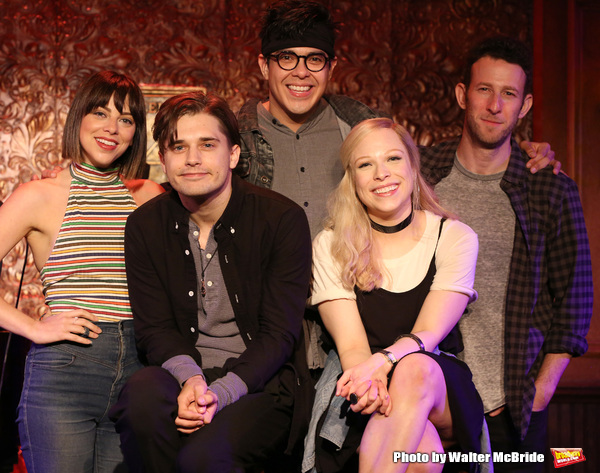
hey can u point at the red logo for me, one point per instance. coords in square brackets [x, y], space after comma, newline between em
[567, 456]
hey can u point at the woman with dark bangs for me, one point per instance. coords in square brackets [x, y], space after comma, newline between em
[83, 346]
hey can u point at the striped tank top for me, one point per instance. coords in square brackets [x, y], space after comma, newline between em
[86, 269]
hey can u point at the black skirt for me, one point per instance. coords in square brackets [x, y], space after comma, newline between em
[466, 410]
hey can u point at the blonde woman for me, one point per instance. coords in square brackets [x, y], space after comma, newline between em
[392, 276]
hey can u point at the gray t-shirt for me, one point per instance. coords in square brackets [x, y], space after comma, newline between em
[307, 164]
[479, 202]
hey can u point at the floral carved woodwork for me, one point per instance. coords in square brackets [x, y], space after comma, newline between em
[402, 57]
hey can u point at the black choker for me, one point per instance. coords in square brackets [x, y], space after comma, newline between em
[394, 228]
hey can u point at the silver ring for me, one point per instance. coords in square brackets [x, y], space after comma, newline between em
[86, 332]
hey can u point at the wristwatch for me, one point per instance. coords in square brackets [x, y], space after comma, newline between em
[389, 356]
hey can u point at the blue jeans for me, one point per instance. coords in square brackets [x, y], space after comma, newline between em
[67, 392]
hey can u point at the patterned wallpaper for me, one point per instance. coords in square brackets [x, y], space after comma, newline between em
[402, 57]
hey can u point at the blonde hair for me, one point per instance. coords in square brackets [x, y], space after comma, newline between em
[353, 247]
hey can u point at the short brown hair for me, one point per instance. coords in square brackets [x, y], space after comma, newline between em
[506, 49]
[164, 130]
[96, 92]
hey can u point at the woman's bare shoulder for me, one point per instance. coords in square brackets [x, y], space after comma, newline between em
[41, 192]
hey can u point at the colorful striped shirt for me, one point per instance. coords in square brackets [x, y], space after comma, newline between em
[86, 269]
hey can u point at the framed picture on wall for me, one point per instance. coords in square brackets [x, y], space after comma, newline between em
[154, 95]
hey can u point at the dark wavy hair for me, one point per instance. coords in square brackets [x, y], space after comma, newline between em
[96, 92]
[164, 130]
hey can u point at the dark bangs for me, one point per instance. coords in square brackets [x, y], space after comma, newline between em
[96, 92]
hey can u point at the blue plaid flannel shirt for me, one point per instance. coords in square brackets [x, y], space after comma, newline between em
[550, 293]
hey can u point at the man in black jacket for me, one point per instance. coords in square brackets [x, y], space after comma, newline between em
[218, 273]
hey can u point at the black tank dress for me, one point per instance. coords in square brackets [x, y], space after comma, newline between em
[383, 324]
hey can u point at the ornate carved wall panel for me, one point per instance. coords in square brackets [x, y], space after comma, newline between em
[402, 57]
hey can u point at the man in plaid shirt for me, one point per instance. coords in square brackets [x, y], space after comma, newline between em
[534, 275]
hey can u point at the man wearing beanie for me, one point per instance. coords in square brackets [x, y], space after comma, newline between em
[291, 142]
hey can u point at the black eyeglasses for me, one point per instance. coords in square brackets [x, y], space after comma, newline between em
[287, 60]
